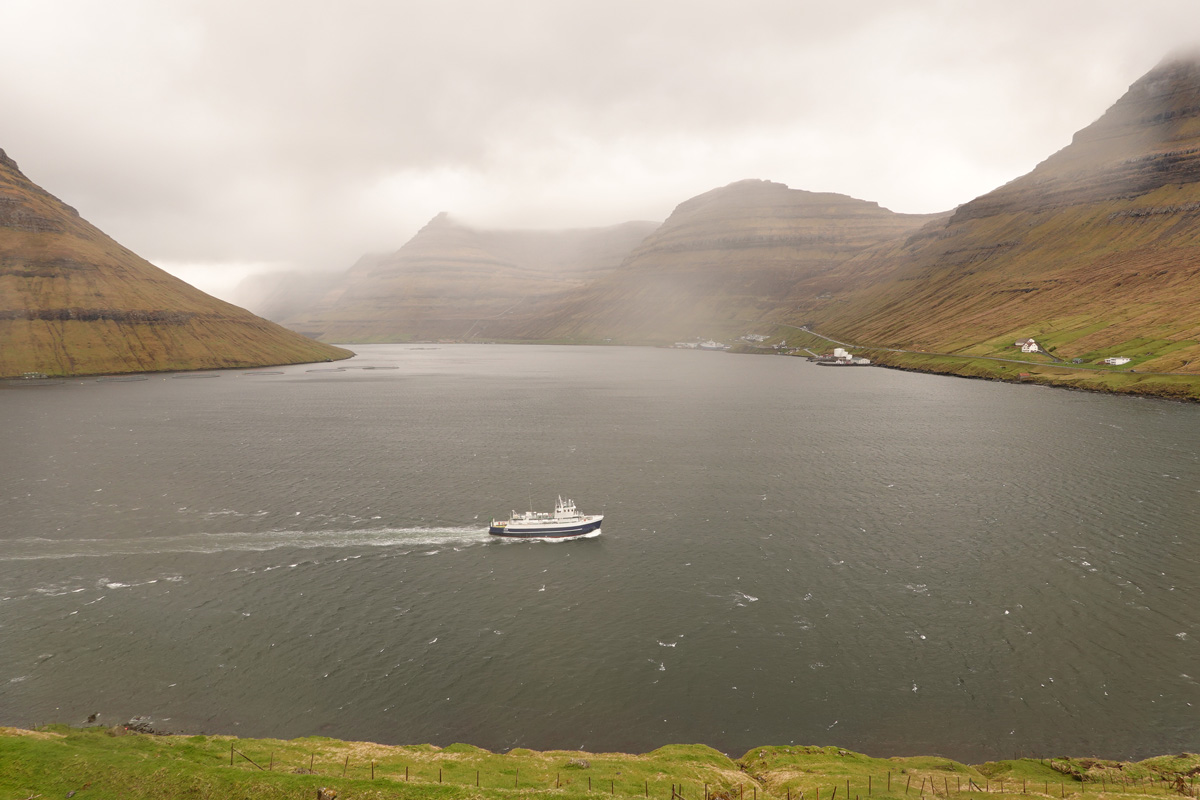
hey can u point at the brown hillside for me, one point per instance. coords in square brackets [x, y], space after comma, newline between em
[1095, 252]
[722, 260]
[74, 302]
[452, 281]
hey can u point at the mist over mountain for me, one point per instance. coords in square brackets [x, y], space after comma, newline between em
[724, 259]
[1094, 253]
[454, 281]
[74, 302]
[1097, 250]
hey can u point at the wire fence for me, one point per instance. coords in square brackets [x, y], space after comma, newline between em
[889, 784]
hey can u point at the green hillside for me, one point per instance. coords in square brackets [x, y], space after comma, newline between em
[102, 763]
[1095, 253]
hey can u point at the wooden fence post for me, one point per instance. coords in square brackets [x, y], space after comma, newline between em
[231, 754]
[345, 766]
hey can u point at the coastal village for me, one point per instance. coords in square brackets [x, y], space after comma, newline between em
[841, 357]
[1031, 346]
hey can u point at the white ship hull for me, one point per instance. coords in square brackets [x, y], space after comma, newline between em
[564, 523]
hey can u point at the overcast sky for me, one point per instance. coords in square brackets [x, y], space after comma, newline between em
[217, 138]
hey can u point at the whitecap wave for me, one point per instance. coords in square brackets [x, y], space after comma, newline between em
[546, 539]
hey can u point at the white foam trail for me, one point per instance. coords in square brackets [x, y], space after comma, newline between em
[546, 539]
[32, 548]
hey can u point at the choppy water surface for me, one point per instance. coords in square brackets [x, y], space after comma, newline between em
[890, 562]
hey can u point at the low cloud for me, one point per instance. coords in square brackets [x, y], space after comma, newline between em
[304, 134]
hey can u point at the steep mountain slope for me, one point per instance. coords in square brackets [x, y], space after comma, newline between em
[74, 302]
[451, 280]
[1095, 252]
[724, 258]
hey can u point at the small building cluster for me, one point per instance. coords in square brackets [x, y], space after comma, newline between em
[1027, 345]
[1030, 346]
[702, 345]
[840, 357]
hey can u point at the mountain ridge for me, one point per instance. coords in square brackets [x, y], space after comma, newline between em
[75, 302]
[1095, 251]
[449, 279]
[722, 259]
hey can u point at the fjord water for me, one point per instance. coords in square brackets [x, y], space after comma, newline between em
[891, 562]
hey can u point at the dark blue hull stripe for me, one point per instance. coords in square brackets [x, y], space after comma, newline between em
[545, 533]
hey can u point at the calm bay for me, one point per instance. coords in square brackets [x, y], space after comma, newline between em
[891, 562]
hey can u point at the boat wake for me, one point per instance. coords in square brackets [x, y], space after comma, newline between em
[546, 539]
[32, 548]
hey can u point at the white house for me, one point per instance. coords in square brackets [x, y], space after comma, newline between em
[1116, 361]
[1027, 345]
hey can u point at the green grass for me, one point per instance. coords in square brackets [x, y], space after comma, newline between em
[1113, 380]
[98, 763]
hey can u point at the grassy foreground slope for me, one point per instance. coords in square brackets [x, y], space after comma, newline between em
[112, 763]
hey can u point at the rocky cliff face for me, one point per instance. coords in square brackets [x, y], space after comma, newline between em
[452, 281]
[74, 302]
[728, 257]
[1096, 251]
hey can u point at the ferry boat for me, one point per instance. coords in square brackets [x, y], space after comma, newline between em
[565, 522]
